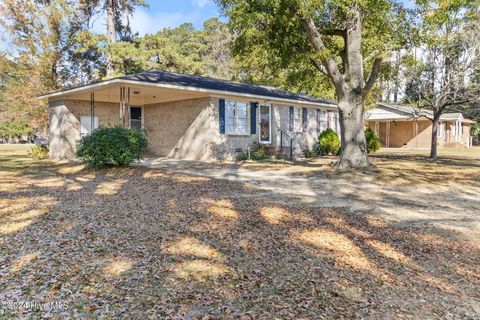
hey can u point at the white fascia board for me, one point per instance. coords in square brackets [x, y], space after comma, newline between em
[192, 89]
[79, 89]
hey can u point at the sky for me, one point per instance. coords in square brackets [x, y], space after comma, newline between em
[159, 14]
[166, 13]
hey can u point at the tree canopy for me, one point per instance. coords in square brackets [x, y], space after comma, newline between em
[330, 49]
[325, 47]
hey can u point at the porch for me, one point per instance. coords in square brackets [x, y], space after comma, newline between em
[172, 118]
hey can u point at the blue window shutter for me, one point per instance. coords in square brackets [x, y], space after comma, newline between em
[221, 114]
[253, 117]
[304, 119]
[290, 119]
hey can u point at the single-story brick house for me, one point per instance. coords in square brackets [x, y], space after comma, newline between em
[188, 117]
[402, 126]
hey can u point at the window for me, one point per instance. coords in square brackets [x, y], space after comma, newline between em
[295, 119]
[236, 117]
[136, 118]
[321, 120]
[304, 119]
[86, 125]
[331, 120]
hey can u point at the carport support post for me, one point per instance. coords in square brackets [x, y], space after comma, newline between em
[92, 111]
[128, 106]
[122, 106]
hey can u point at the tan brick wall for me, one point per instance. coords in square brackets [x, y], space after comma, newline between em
[423, 139]
[181, 129]
[64, 124]
[187, 129]
[402, 134]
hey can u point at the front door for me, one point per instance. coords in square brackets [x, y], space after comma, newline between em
[265, 123]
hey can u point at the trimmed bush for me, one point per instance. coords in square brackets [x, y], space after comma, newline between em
[373, 142]
[475, 133]
[241, 156]
[328, 143]
[38, 152]
[117, 146]
[259, 151]
[309, 153]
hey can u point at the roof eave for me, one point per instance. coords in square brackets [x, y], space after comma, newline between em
[187, 88]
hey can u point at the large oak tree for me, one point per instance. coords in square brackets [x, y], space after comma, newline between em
[339, 38]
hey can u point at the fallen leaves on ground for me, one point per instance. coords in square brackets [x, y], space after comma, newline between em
[145, 243]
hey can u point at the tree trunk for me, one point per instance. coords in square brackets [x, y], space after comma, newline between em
[350, 87]
[354, 149]
[111, 33]
[434, 146]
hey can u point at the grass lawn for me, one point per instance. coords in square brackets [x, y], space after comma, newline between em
[442, 152]
[160, 244]
[18, 149]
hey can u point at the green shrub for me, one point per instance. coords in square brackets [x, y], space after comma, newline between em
[328, 142]
[261, 151]
[373, 142]
[117, 146]
[38, 152]
[258, 152]
[241, 156]
[309, 153]
[475, 133]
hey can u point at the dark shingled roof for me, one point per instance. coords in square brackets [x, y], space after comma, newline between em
[185, 80]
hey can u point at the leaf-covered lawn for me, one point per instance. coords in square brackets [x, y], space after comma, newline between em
[152, 243]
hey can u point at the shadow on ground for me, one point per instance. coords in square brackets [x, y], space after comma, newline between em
[141, 242]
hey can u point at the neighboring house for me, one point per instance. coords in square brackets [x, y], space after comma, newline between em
[188, 117]
[403, 126]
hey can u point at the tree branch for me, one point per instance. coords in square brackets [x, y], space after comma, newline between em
[318, 66]
[338, 33]
[373, 76]
[328, 62]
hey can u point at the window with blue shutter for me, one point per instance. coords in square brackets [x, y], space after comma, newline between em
[221, 114]
[253, 117]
